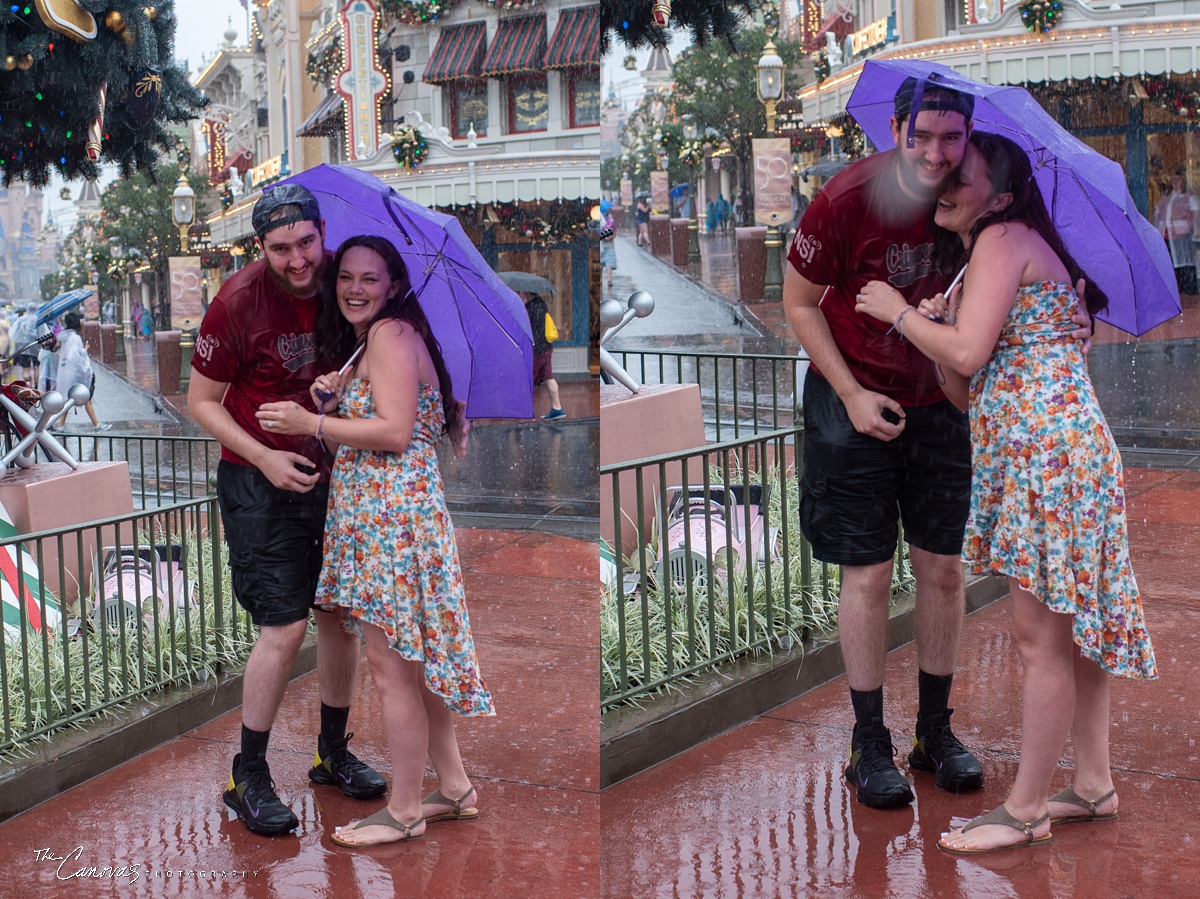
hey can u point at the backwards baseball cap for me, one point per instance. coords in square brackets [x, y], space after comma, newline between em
[267, 211]
[923, 94]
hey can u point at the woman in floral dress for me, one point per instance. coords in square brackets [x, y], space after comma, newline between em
[391, 566]
[1047, 502]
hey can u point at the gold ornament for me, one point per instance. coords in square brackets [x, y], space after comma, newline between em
[128, 36]
[25, 62]
[151, 12]
[115, 21]
[10, 62]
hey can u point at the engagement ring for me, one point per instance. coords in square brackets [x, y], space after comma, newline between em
[268, 424]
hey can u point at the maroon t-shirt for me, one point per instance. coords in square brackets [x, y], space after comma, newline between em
[260, 341]
[861, 227]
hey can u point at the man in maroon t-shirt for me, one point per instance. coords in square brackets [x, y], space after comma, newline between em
[881, 442]
[256, 345]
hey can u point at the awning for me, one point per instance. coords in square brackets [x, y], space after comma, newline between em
[458, 54]
[327, 119]
[837, 24]
[519, 46]
[576, 39]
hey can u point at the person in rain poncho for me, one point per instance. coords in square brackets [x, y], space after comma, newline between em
[75, 367]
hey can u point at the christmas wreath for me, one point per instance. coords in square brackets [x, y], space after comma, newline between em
[416, 12]
[409, 147]
[1040, 16]
[691, 153]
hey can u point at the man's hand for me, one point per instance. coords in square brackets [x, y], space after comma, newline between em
[280, 468]
[1083, 335]
[458, 435]
[866, 410]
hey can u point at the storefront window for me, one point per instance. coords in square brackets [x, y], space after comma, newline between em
[585, 97]
[470, 109]
[528, 104]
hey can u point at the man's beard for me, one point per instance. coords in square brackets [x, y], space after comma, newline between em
[911, 180]
[282, 282]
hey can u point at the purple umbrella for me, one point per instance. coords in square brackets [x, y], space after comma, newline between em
[481, 324]
[1085, 192]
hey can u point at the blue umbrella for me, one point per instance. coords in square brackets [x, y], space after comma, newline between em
[1085, 192]
[481, 323]
[64, 302]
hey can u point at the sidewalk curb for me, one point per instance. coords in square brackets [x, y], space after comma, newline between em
[633, 739]
[73, 756]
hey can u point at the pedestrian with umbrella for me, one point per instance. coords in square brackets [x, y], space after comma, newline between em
[1047, 505]
[531, 287]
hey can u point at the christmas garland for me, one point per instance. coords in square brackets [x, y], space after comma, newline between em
[1173, 98]
[226, 196]
[560, 221]
[509, 4]
[409, 147]
[416, 12]
[325, 64]
[1040, 16]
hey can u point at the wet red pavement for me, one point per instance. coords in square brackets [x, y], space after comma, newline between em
[764, 810]
[534, 615]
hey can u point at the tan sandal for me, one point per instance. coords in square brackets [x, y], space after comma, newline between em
[384, 818]
[459, 813]
[1070, 797]
[1000, 815]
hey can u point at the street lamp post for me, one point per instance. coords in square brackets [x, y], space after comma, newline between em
[770, 89]
[689, 134]
[183, 210]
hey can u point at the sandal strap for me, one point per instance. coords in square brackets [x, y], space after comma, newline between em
[1000, 815]
[1070, 797]
[384, 818]
[437, 798]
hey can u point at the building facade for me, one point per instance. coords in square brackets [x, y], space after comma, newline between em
[505, 98]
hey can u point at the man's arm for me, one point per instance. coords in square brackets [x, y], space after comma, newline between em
[204, 404]
[801, 302]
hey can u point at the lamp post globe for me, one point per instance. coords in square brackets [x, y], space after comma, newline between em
[183, 209]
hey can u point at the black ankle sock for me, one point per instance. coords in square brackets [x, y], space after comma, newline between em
[933, 693]
[868, 706]
[254, 743]
[333, 723]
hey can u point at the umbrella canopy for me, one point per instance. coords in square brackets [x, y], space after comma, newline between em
[642, 193]
[64, 302]
[481, 324]
[524, 282]
[1085, 192]
[826, 167]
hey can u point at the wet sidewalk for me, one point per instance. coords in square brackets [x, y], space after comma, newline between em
[764, 809]
[534, 616]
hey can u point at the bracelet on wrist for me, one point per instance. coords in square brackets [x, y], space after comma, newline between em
[320, 426]
[898, 324]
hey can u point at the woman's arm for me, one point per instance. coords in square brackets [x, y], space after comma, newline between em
[989, 290]
[391, 361]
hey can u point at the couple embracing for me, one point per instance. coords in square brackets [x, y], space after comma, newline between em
[363, 541]
[1034, 479]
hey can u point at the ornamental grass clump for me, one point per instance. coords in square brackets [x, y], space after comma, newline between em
[657, 635]
[98, 673]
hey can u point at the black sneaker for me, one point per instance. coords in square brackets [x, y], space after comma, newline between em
[252, 795]
[936, 749]
[336, 766]
[876, 778]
